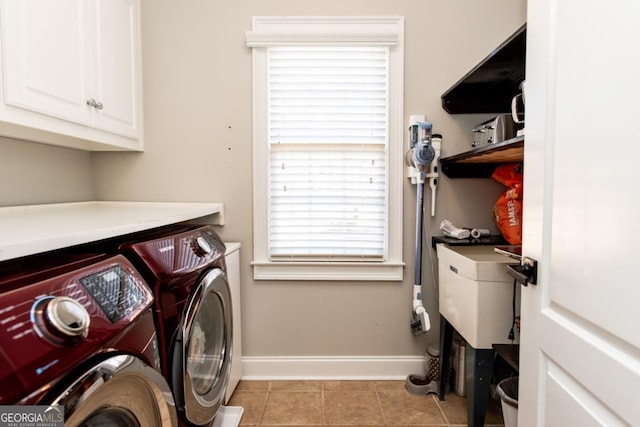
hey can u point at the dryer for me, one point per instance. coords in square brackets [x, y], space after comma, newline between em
[185, 268]
[78, 331]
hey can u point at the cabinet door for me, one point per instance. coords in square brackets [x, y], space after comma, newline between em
[46, 57]
[116, 71]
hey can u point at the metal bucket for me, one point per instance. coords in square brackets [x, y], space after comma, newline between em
[458, 355]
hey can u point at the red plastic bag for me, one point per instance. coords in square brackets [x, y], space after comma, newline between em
[507, 211]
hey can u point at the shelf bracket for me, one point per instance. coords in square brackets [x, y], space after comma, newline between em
[526, 273]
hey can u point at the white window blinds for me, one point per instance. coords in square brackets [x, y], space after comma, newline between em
[328, 144]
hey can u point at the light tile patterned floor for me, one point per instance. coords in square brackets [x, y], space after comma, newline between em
[349, 403]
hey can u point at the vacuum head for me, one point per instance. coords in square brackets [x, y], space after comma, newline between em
[416, 325]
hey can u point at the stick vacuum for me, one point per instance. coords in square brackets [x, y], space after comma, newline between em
[421, 155]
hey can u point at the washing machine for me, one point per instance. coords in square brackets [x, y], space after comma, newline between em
[185, 268]
[78, 331]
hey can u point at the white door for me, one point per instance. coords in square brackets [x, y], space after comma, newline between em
[580, 341]
[116, 70]
[45, 57]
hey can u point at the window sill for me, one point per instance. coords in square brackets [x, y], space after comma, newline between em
[328, 271]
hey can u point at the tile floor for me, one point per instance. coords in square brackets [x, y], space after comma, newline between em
[349, 403]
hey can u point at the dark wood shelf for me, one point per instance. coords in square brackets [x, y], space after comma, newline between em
[492, 240]
[490, 85]
[482, 161]
[510, 353]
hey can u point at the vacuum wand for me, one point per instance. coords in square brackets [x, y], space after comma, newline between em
[420, 323]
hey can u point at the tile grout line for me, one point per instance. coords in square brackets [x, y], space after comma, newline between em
[322, 405]
[384, 418]
[264, 407]
[444, 416]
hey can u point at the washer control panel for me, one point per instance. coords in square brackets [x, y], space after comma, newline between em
[212, 238]
[115, 290]
[181, 253]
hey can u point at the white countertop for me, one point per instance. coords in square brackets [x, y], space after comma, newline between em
[27, 230]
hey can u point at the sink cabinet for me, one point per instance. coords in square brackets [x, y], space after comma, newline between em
[71, 73]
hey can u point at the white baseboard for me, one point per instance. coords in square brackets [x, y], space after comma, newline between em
[331, 367]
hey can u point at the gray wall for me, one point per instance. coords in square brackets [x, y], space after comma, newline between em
[33, 173]
[197, 101]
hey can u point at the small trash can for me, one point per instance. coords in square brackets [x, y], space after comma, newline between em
[508, 391]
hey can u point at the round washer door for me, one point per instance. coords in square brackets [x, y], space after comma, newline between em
[204, 353]
[121, 391]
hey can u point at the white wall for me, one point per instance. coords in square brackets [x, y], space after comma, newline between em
[197, 86]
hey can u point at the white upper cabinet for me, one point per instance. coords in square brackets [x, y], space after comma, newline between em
[47, 58]
[71, 73]
[115, 60]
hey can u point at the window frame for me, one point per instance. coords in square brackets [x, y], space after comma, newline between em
[271, 31]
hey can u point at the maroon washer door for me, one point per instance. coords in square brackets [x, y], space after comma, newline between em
[202, 351]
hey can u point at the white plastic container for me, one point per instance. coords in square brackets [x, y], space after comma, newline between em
[508, 391]
[476, 293]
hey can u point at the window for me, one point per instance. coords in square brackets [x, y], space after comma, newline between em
[328, 151]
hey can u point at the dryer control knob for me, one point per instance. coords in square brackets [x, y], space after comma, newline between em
[201, 246]
[67, 318]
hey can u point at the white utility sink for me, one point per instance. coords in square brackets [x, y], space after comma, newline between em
[476, 293]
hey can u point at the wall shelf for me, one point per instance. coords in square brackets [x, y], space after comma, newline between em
[510, 353]
[482, 161]
[492, 240]
[490, 85]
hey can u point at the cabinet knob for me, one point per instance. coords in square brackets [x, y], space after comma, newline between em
[95, 104]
